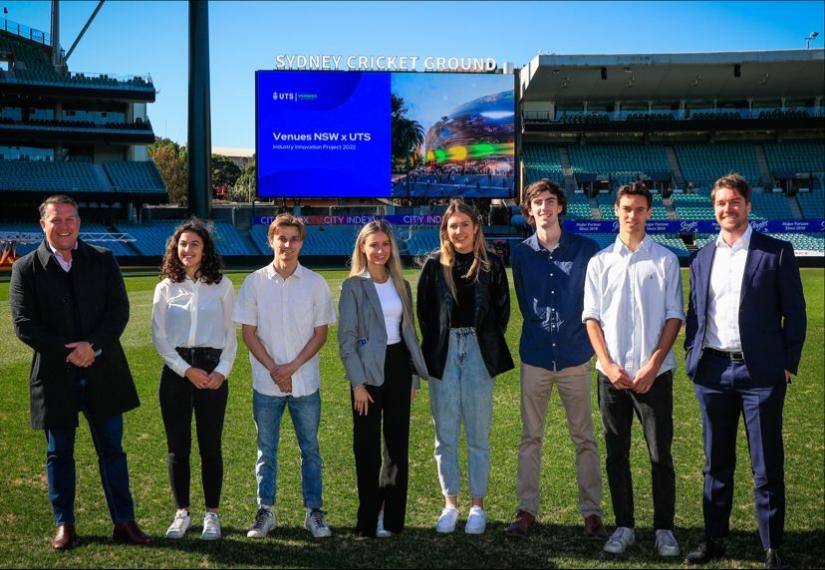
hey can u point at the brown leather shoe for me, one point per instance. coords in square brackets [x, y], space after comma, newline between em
[65, 537]
[129, 533]
[520, 527]
[593, 527]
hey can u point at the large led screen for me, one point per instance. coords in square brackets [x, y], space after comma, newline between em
[381, 134]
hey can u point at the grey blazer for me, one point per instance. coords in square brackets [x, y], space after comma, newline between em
[362, 333]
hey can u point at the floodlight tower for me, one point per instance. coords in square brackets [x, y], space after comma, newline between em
[811, 37]
[200, 129]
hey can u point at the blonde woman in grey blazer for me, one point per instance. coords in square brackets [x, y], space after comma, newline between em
[379, 348]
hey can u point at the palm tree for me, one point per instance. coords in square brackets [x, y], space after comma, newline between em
[407, 135]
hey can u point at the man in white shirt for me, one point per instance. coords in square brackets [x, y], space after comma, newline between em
[285, 310]
[633, 312]
[744, 336]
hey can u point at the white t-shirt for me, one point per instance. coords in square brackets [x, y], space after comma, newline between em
[392, 308]
[286, 312]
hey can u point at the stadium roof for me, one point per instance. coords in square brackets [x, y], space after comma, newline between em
[762, 74]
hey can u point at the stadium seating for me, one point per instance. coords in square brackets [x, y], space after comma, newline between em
[693, 206]
[796, 156]
[768, 206]
[150, 236]
[673, 243]
[134, 177]
[542, 161]
[229, 241]
[423, 241]
[812, 203]
[86, 228]
[703, 163]
[40, 176]
[578, 206]
[623, 162]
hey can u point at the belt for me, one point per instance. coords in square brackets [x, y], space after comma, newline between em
[192, 352]
[732, 356]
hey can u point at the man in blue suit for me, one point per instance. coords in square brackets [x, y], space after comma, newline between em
[744, 337]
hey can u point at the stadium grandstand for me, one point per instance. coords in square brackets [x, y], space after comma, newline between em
[589, 122]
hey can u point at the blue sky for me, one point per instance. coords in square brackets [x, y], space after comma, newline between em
[151, 37]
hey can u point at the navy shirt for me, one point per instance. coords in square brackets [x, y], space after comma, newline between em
[550, 292]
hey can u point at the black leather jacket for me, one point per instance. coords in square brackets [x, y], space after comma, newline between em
[492, 311]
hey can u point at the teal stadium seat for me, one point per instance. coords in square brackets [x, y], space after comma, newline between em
[703, 163]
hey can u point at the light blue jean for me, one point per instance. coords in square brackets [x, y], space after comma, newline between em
[464, 393]
[306, 417]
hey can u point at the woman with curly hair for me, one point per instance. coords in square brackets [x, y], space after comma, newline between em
[192, 329]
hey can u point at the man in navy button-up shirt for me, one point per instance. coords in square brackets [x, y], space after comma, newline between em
[549, 271]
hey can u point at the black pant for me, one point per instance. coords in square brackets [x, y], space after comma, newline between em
[178, 397]
[387, 485]
[655, 412]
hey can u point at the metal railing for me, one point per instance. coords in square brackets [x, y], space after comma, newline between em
[26, 32]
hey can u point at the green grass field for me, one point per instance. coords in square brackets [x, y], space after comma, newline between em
[26, 522]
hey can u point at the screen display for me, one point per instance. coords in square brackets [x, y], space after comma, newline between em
[382, 135]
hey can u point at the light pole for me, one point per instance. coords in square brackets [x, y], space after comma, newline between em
[812, 36]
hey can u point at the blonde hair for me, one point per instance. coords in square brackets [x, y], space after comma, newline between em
[480, 259]
[358, 262]
[285, 220]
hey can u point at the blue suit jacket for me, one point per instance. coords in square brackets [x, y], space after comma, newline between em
[772, 317]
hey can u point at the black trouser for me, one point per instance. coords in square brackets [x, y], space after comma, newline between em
[388, 485]
[655, 412]
[178, 397]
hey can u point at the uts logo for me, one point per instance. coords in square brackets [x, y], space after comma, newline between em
[276, 96]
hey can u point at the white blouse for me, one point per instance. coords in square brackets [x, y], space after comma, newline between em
[193, 314]
[392, 308]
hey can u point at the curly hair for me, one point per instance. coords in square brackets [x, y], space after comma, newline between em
[211, 267]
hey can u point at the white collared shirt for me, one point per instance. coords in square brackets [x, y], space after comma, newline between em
[632, 294]
[64, 265]
[286, 312]
[725, 292]
[194, 314]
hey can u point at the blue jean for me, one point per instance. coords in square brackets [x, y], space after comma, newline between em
[107, 435]
[465, 392]
[306, 418]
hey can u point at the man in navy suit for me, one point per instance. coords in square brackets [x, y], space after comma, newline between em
[745, 331]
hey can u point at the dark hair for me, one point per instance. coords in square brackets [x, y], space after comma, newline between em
[57, 199]
[637, 188]
[211, 263]
[536, 188]
[735, 182]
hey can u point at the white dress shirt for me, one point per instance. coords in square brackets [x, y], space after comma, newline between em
[725, 292]
[632, 294]
[194, 314]
[64, 265]
[286, 312]
[392, 308]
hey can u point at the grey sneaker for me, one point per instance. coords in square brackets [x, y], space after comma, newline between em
[618, 542]
[264, 522]
[179, 525]
[446, 520]
[211, 526]
[316, 524]
[666, 544]
[476, 521]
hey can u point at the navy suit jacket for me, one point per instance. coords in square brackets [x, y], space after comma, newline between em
[772, 316]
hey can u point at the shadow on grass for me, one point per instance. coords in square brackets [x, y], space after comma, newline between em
[549, 546]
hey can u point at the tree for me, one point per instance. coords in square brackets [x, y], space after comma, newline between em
[224, 175]
[407, 136]
[246, 186]
[170, 159]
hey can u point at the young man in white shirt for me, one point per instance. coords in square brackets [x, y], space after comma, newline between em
[285, 310]
[633, 312]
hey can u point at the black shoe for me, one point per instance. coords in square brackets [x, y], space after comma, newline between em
[773, 559]
[709, 549]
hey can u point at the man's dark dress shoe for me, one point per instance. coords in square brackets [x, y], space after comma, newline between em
[709, 549]
[773, 559]
[65, 537]
[129, 533]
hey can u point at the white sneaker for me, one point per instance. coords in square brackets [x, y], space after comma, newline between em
[180, 525]
[476, 521]
[264, 522]
[380, 531]
[446, 520]
[211, 526]
[618, 542]
[316, 524]
[666, 544]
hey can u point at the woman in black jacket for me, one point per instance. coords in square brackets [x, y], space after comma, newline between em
[463, 308]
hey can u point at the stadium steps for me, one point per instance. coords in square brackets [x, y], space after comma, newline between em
[795, 208]
[674, 166]
[567, 168]
[671, 211]
[764, 169]
[595, 210]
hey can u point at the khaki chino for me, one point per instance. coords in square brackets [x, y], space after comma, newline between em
[573, 385]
